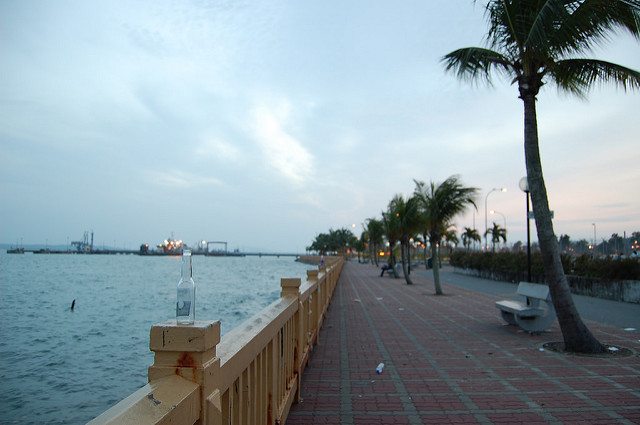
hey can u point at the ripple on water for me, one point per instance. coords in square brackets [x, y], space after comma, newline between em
[61, 366]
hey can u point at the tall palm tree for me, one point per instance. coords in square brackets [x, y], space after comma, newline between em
[469, 236]
[440, 204]
[497, 233]
[533, 43]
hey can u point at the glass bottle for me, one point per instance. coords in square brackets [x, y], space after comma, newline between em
[186, 303]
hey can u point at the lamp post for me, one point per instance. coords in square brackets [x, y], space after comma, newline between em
[504, 189]
[595, 241]
[524, 186]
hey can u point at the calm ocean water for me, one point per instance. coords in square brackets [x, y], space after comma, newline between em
[59, 366]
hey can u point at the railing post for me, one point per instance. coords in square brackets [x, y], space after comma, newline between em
[189, 352]
[312, 275]
[291, 287]
[312, 328]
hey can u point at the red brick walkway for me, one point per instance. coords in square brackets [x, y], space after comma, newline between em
[450, 359]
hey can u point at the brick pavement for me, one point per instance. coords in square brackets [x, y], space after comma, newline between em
[451, 360]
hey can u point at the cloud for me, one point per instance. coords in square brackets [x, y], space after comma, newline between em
[283, 152]
[180, 179]
[218, 149]
[615, 205]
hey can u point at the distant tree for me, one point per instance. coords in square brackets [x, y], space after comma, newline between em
[451, 237]
[336, 241]
[518, 246]
[375, 228]
[615, 244]
[581, 246]
[361, 244]
[564, 241]
[469, 236]
[392, 232]
[497, 233]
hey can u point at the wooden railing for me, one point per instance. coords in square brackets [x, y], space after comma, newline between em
[249, 377]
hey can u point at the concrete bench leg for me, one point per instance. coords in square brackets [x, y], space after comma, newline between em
[508, 317]
[538, 323]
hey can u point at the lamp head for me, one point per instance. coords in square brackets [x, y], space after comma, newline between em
[524, 184]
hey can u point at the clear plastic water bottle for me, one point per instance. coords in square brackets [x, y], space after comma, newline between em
[379, 368]
[186, 302]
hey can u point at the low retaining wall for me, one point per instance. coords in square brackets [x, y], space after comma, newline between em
[624, 290]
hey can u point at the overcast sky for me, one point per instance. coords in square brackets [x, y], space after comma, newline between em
[265, 123]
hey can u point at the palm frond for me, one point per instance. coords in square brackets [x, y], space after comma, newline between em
[591, 22]
[471, 63]
[578, 75]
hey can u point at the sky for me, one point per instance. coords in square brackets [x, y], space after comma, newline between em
[266, 123]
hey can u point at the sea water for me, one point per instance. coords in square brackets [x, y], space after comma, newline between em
[64, 366]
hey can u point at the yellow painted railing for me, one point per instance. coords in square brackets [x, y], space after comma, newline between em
[249, 377]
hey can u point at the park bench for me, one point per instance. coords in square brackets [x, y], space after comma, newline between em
[387, 268]
[530, 315]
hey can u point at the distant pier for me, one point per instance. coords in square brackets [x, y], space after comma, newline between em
[152, 253]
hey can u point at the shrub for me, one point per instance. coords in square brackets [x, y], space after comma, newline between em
[606, 269]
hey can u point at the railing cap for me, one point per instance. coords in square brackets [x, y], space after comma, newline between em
[290, 286]
[169, 336]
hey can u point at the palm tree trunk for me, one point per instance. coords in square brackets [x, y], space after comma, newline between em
[436, 267]
[577, 337]
[392, 258]
[424, 251]
[404, 264]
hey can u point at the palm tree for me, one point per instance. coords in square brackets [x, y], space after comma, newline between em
[469, 236]
[440, 204]
[407, 219]
[497, 233]
[392, 233]
[361, 244]
[533, 43]
[451, 237]
[375, 228]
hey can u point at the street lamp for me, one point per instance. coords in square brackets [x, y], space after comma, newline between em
[504, 189]
[524, 186]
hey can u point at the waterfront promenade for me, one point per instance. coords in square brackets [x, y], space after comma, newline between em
[451, 359]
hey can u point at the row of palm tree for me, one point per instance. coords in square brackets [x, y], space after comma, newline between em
[427, 216]
[531, 43]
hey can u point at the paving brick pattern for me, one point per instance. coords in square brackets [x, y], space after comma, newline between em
[451, 360]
